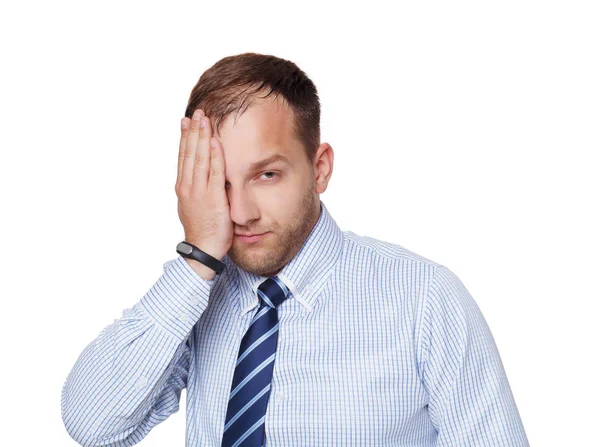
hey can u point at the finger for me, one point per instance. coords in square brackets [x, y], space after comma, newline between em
[202, 162]
[185, 128]
[189, 154]
[216, 179]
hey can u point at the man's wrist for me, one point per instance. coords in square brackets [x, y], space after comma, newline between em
[202, 270]
[204, 257]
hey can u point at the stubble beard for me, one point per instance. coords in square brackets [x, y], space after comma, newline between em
[285, 243]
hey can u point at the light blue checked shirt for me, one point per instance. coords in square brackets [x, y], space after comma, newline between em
[377, 346]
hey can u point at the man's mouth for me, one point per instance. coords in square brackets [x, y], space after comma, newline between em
[250, 237]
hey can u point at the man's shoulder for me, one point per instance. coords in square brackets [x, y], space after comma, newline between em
[384, 250]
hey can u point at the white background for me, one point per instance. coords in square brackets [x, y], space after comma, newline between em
[467, 132]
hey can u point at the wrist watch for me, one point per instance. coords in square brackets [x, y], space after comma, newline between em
[190, 251]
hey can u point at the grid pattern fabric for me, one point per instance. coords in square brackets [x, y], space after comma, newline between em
[377, 346]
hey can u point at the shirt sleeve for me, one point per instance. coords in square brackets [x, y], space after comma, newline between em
[470, 400]
[129, 378]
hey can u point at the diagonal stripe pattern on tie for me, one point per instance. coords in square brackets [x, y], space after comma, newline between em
[251, 385]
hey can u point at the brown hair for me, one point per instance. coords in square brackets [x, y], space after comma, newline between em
[231, 84]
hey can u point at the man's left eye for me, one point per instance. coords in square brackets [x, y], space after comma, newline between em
[269, 172]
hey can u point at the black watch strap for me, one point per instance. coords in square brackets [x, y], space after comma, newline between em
[190, 251]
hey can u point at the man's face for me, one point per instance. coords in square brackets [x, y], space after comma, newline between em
[279, 199]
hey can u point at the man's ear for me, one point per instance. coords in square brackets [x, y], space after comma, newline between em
[323, 166]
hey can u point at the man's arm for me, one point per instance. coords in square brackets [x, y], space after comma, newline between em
[470, 400]
[129, 379]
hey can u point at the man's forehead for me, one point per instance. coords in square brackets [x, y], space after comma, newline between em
[259, 134]
[261, 122]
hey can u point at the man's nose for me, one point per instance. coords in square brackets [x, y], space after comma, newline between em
[242, 207]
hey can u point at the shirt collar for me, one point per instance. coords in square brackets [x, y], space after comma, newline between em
[305, 274]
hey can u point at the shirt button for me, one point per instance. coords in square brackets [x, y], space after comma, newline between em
[141, 383]
[279, 397]
[184, 318]
[195, 300]
[309, 288]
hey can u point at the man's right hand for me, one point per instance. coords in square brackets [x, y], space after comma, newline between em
[203, 205]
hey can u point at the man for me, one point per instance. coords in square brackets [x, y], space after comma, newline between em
[309, 336]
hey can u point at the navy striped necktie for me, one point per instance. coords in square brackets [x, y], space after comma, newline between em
[251, 386]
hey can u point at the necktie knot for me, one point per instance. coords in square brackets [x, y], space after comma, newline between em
[272, 291]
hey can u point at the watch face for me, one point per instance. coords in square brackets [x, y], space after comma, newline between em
[184, 248]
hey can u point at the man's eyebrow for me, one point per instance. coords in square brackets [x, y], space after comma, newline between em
[267, 161]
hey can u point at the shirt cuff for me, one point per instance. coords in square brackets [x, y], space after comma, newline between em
[179, 297]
